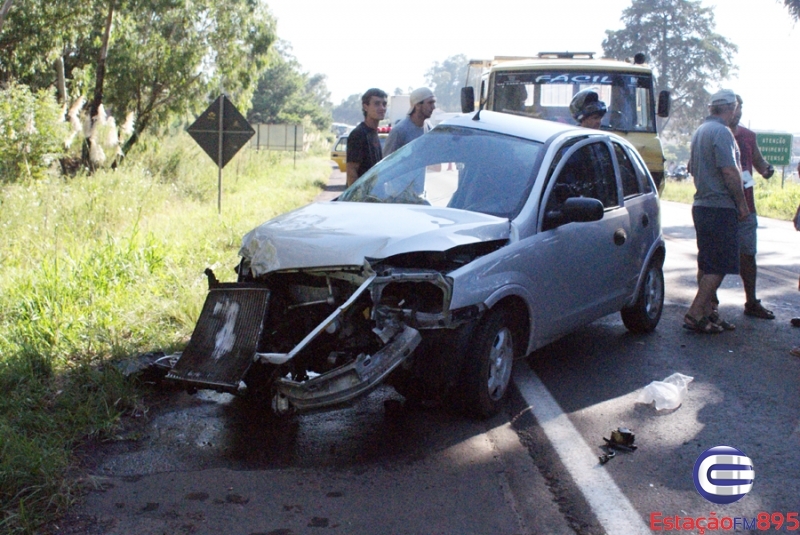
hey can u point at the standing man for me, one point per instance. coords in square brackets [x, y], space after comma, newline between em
[363, 145]
[750, 157]
[719, 205]
[413, 125]
[587, 108]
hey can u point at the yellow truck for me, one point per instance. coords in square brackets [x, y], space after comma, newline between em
[543, 87]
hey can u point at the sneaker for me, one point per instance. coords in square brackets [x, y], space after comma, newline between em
[757, 310]
[795, 322]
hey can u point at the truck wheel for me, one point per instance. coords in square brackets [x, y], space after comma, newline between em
[487, 370]
[644, 315]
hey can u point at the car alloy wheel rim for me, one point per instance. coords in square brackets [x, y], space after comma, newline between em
[501, 358]
[653, 290]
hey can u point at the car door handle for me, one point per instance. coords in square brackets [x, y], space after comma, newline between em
[620, 236]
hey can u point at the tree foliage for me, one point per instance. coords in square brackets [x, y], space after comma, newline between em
[794, 8]
[446, 80]
[688, 57]
[349, 111]
[164, 56]
[31, 132]
[286, 94]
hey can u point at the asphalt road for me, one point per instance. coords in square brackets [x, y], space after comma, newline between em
[212, 464]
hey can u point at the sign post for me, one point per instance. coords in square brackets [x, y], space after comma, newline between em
[221, 131]
[776, 149]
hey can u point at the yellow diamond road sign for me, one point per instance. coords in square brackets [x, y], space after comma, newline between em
[236, 131]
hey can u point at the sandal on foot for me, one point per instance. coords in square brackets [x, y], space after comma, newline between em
[757, 310]
[795, 351]
[715, 318]
[703, 325]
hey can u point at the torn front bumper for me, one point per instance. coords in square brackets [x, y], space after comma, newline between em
[306, 340]
[347, 382]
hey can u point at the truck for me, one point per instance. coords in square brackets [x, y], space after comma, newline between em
[543, 86]
[398, 108]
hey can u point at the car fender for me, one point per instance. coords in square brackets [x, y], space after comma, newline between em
[516, 290]
[657, 248]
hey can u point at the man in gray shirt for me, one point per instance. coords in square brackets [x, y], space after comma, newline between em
[413, 125]
[718, 206]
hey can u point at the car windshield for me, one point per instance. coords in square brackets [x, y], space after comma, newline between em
[547, 94]
[455, 167]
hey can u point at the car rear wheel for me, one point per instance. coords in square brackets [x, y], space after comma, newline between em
[644, 315]
[487, 371]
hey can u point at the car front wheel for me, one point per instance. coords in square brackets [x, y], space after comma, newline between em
[487, 372]
[644, 315]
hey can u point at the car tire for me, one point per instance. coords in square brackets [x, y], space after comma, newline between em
[487, 370]
[644, 315]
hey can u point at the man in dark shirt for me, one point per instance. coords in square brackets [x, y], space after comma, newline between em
[363, 145]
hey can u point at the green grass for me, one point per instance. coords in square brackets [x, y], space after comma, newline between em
[772, 199]
[97, 268]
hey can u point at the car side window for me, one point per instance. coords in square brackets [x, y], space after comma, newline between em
[341, 145]
[589, 172]
[630, 182]
[646, 180]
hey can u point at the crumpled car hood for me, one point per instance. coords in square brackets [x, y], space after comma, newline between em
[344, 233]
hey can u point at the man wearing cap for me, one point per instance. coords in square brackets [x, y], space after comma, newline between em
[587, 108]
[719, 205]
[750, 157]
[413, 125]
[363, 144]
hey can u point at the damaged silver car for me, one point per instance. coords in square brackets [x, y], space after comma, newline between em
[470, 247]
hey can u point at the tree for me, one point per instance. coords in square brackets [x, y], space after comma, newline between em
[687, 55]
[169, 56]
[349, 111]
[794, 8]
[3, 10]
[35, 34]
[164, 57]
[285, 94]
[446, 80]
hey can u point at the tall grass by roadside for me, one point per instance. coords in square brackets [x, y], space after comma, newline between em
[772, 199]
[101, 267]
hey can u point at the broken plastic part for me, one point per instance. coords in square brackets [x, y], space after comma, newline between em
[607, 456]
[621, 439]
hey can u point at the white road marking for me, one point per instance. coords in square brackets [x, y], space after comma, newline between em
[609, 504]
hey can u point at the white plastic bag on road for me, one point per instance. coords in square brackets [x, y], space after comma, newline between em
[667, 394]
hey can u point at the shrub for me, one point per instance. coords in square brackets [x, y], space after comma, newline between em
[32, 133]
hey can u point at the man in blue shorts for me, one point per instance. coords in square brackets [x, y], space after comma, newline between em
[751, 158]
[718, 206]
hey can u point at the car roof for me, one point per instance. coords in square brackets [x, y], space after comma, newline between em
[513, 125]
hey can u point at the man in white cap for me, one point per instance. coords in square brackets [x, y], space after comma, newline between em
[413, 125]
[719, 205]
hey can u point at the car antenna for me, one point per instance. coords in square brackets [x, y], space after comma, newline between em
[477, 116]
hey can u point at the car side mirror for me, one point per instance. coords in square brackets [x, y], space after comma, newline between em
[575, 210]
[467, 99]
[663, 104]
[582, 209]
